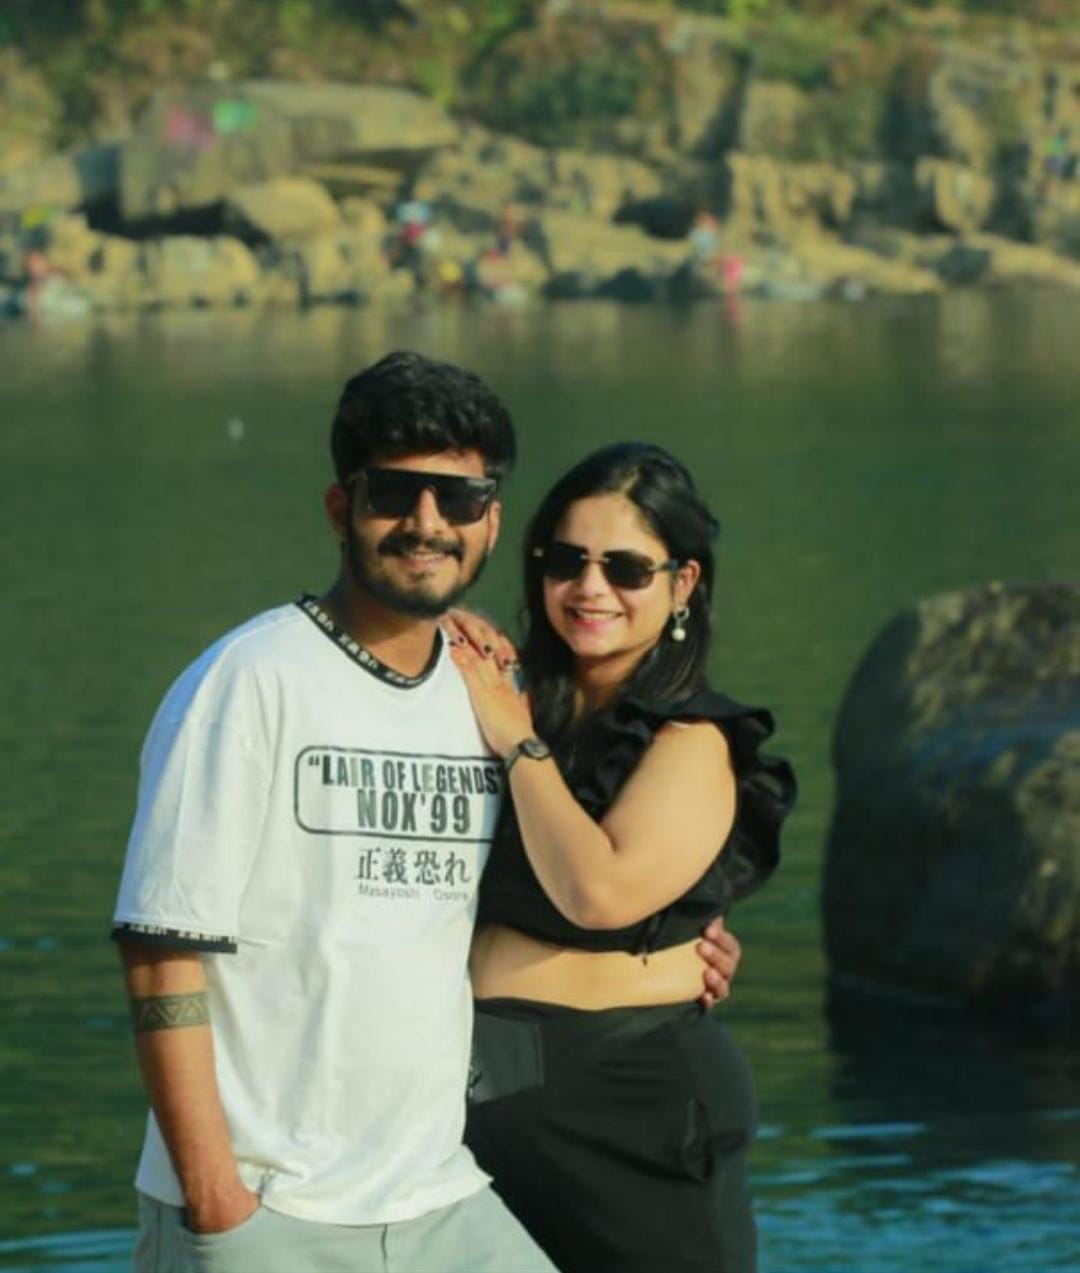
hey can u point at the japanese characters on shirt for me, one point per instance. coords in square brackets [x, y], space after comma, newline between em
[417, 818]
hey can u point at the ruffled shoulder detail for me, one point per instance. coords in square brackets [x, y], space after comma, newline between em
[610, 745]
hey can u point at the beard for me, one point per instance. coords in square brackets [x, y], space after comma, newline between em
[420, 601]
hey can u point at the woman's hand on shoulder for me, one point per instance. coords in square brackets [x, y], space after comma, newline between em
[485, 637]
[488, 664]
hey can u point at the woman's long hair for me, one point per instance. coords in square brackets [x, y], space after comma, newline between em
[663, 492]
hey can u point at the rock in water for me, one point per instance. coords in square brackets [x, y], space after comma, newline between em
[953, 861]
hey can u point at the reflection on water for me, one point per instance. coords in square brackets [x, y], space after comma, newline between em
[1006, 1217]
[108, 1251]
[865, 1212]
[160, 481]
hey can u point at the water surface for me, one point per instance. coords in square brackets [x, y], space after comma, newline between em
[161, 479]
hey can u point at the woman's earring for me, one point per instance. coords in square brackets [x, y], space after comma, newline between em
[679, 617]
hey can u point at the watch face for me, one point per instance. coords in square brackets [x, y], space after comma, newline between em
[534, 748]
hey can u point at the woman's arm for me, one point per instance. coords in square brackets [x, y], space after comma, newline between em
[665, 827]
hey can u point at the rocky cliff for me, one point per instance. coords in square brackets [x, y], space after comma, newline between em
[630, 149]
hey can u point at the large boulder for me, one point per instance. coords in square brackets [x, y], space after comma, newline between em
[331, 121]
[954, 196]
[189, 149]
[472, 182]
[184, 270]
[283, 208]
[347, 265]
[61, 183]
[585, 257]
[192, 148]
[774, 199]
[364, 217]
[105, 269]
[847, 270]
[1012, 262]
[982, 99]
[996, 261]
[953, 860]
[599, 185]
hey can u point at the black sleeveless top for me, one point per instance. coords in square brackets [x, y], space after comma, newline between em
[595, 762]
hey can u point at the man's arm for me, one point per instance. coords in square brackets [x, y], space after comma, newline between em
[171, 1023]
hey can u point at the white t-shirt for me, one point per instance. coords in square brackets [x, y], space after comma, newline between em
[318, 825]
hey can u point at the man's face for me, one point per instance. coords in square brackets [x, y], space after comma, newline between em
[418, 562]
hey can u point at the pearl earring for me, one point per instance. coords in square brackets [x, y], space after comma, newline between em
[679, 617]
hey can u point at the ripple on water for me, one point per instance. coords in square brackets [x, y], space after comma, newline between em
[1009, 1216]
[769, 1132]
[861, 1162]
[1059, 1115]
[868, 1131]
[1019, 1178]
[98, 1251]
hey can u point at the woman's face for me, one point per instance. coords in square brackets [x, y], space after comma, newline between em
[598, 620]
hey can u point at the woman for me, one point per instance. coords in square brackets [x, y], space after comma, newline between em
[614, 1114]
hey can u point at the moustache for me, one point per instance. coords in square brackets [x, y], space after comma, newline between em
[403, 543]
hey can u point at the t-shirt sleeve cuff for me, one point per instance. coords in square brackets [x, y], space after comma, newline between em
[171, 938]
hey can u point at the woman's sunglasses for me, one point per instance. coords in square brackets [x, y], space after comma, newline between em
[622, 568]
[395, 492]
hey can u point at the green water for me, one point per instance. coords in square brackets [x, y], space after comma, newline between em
[161, 479]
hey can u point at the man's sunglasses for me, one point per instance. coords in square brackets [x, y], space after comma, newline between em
[395, 492]
[622, 568]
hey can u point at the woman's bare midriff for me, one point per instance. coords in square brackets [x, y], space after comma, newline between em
[506, 963]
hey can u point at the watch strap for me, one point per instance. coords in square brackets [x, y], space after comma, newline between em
[532, 748]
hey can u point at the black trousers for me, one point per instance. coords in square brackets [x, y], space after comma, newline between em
[619, 1138]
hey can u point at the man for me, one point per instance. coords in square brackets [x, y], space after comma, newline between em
[315, 806]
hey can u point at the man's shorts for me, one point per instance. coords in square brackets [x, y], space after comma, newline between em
[476, 1235]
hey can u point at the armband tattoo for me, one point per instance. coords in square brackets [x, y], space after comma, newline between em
[169, 1012]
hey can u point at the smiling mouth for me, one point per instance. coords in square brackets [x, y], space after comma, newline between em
[423, 558]
[591, 616]
[416, 553]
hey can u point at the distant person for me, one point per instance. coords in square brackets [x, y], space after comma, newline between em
[705, 237]
[508, 228]
[316, 803]
[707, 246]
[1056, 155]
[614, 1113]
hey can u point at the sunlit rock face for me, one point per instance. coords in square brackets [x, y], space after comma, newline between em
[953, 859]
[190, 149]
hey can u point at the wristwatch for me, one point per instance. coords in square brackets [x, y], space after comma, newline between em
[531, 748]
